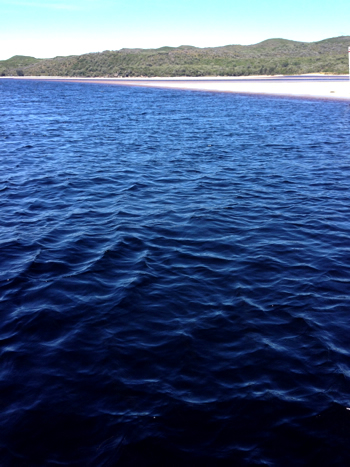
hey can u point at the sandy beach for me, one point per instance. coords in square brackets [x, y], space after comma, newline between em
[278, 86]
[307, 86]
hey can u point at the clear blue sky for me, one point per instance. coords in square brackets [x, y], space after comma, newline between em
[46, 28]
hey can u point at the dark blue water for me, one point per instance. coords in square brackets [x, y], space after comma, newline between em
[175, 276]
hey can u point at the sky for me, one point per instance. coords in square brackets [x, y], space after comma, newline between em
[47, 28]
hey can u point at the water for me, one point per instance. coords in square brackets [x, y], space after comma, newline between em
[174, 278]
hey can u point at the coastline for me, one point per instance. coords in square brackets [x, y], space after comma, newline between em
[303, 86]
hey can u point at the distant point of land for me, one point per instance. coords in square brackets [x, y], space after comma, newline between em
[270, 57]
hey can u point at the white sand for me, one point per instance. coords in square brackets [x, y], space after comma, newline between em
[268, 86]
[275, 86]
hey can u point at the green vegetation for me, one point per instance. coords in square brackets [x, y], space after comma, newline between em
[273, 56]
[18, 62]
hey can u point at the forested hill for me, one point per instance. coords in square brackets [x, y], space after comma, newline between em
[273, 56]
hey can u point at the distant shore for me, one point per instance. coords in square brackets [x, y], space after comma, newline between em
[293, 86]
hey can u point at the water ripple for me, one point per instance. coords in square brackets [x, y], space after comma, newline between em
[174, 279]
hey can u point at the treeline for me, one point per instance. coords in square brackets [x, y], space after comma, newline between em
[18, 62]
[273, 56]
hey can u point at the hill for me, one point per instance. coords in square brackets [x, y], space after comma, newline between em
[273, 56]
[17, 62]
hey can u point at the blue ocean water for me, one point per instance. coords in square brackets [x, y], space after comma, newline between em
[174, 278]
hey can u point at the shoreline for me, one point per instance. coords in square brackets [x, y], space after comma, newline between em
[301, 86]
